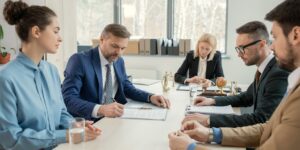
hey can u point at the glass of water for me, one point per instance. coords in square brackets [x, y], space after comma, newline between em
[193, 92]
[76, 131]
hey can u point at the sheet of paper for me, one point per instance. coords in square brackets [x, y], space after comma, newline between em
[144, 81]
[210, 109]
[141, 110]
[182, 87]
[144, 113]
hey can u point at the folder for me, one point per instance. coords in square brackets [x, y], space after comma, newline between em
[132, 47]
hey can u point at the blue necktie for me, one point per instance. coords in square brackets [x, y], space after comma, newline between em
[108, 95]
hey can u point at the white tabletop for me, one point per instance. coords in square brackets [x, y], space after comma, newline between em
[130, 134]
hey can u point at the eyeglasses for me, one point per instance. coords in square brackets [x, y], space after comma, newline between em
[241, 49]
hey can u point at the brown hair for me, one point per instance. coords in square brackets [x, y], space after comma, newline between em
[211, 40]
[116, 30]
[287, 14]
[25, 17]
[256, 29]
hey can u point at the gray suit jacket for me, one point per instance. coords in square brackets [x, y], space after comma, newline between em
[265, 98]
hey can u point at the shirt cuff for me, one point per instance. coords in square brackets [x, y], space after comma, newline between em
[149, 96]
[60, 137]
[95, 111]
[217, 132]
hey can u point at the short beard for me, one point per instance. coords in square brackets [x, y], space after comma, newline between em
[289, 65]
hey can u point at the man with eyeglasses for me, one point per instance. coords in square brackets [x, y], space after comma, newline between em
[282, 130]
[266, 91]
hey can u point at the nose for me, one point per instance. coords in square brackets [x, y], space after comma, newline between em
[59, 39]
[272, 46]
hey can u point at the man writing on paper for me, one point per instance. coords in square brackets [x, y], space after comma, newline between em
[282, 131]
[266, 91]
[96, 82]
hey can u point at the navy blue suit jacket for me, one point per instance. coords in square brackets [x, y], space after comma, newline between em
[82, 88]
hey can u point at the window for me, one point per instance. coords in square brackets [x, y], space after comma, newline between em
[92, 17]
[149, 18]
[194, 17]
[142, 19]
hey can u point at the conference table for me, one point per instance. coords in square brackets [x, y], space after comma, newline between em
[136, 134]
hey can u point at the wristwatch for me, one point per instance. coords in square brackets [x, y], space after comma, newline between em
[210, 135]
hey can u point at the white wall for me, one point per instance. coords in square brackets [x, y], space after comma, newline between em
[239, 12]
[11, 40]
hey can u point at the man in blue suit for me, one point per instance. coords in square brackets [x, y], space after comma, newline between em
[96, 83]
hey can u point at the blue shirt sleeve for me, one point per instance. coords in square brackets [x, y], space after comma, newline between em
[217, 132]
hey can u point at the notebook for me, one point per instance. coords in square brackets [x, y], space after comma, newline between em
[209, 109]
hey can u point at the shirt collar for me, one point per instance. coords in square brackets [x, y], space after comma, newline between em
[103, 60]
[293, 78]
[264, 64]
[202, 59]
[28, 62]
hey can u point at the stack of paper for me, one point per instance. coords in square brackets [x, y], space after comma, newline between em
[139, 110]
[209, 109]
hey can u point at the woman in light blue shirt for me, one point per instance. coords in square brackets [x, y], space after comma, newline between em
[32, 111]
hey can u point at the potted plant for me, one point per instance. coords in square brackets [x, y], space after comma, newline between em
[4, 52]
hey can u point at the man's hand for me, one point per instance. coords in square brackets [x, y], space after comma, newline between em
[203, 101]
[179, 141]
[202, 119]
[196, 131]
[111, 110]
[160, 101]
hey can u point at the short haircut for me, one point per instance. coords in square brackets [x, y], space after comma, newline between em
[256, 30]
[287, 14]
[116, 30]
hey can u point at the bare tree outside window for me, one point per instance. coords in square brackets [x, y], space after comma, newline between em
[92, 17]
[145, 18]
[194, 17]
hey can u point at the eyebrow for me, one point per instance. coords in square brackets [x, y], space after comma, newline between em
[58, 28]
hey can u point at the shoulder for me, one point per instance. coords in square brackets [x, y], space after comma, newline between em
[190, 54]
[217, 55]
[10, 70]
[276, 71]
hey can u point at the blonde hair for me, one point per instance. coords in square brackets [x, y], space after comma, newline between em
[211, 40]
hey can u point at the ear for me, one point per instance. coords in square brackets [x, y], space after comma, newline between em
[35, 32]
[295, 35]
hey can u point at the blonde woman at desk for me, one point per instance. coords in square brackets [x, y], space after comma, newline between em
[32, 112]
[203, 64]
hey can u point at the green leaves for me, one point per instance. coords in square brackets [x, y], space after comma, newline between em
[1, 33]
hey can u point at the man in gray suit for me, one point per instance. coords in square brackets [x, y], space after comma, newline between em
[266, 91]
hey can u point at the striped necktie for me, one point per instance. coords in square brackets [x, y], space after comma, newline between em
[108, 89]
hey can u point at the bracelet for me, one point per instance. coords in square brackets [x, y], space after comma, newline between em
[210, 135]
[192, 146]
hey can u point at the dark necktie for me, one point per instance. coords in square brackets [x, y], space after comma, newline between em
[108, 95]
[257, 76]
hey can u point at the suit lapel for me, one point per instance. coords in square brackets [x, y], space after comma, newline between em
[266, 71]
[98, 71]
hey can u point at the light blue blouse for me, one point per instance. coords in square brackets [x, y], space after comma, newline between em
[32, 112]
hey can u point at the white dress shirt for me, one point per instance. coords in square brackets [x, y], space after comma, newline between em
[103, 62]
[264, 64]
[202, 67]
[293, 79]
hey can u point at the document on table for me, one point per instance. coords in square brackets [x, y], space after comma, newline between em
[140, 110]
[209, 109]
[182, 87]
[144, 81]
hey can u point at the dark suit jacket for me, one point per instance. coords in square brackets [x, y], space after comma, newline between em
[271, 88]
[82, 88]
[190, 64]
